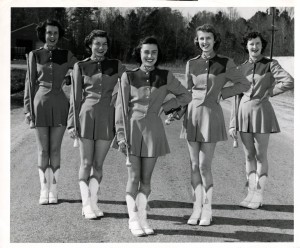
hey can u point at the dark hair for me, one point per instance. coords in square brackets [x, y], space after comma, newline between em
[41, 29]
[253, 35]
[95, 33]
[147, 40]
[208, 28]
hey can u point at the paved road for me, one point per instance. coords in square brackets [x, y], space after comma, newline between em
[170, 200]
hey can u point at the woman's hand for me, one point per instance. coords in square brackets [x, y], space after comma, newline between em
[232, 133]
[73, 134]
[122, 146]
[67, 80]
[28, 118]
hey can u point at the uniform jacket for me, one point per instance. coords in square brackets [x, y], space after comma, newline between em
[144, 94]
[94, 82]
[206, 78]
[46, 71]
[264, 75]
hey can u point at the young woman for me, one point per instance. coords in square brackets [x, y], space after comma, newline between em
[204, 125]
[255, 118]
[95, 84]
[144, 90]
[45, 104]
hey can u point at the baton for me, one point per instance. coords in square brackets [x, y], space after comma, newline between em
[31, 123]
[235, 141]
[128, 163]
[76, 141]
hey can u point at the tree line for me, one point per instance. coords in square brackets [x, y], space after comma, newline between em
[175, 32]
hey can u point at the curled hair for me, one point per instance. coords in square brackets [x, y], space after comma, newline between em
[148, 40]
[253, 35]
[41, 29]
[208, 28]
[95, 33]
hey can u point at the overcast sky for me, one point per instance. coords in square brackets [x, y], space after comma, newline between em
[244, 12]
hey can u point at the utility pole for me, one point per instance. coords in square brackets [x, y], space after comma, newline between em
[272, 11]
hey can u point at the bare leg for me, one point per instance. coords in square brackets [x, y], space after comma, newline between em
[194, 150]
[101, 150]
[249, 150]
[56, 136]
[261, 145]
[146, 174]
[42, 139]
[86, 148]
[134, 175]
[205, 157]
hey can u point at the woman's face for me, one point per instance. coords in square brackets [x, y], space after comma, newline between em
[51, 35]
[206, 41]
[254, 47]
[149, 54]
[99, 46]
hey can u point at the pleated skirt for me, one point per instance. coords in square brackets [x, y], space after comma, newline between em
[96, 120]
[204, 123]
[147, 137]
[51, 108]
[257, 117]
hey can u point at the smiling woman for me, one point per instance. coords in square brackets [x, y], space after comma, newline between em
[139, 101]
[46, 106]
[91, 115]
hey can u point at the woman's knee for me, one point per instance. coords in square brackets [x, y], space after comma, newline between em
[261, 157]
[86, 164]
[55, 150]
[194, 166]
[250, 156]
[43, 153]
[205, 169]
[134, 179]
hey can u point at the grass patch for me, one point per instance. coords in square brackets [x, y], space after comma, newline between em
[17, 80]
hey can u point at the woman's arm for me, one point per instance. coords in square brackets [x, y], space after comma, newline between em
[75, 97]
[283, 80]
[182, 95]
[235, 75]
[30, 85]
[122, 105]
[121, 70]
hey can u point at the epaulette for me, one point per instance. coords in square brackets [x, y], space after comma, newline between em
[85, 60]
[38, 49]
[197, 57]
[132, 70]
[222, 56]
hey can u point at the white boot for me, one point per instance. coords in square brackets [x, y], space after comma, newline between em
[134, 224]
[141, 202]
[197, 205]
[53, 175]
[206, 214]
[94, 187]
[251, 181]
[44, 180]
[257, 198]
[87, 210]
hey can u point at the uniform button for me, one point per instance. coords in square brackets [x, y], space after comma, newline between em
[147, 81]
[206, 61]
[206, 69]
